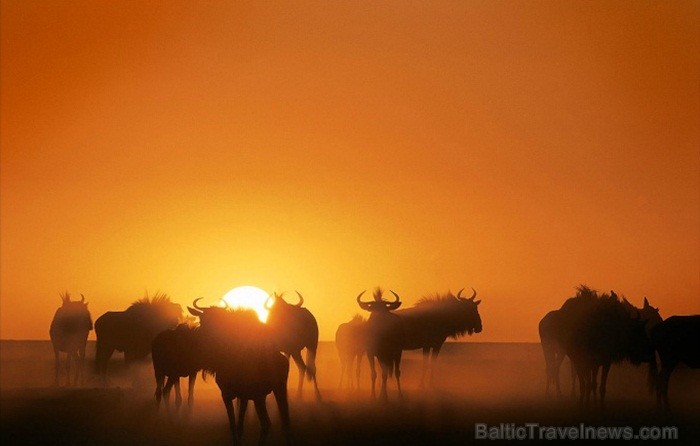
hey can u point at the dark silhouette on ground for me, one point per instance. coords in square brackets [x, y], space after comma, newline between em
[384, 338]
[351, 343]
[554, 353]
[132, 331]
[176, 354]
[676, 340]
[69, 331]
[294, 328]
[600, 331]
[435, 318]
[555, 327]
[240, 351]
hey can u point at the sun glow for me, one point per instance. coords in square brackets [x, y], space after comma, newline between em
[248, 297]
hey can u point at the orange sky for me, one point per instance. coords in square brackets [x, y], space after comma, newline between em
[520, 148]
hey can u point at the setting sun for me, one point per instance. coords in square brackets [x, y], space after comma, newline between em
[248, 297]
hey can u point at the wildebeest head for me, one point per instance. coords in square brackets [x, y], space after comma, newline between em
[276, 302]
[648, 313]
[73, 316]
[471, 313]
[639, 347]
[379, 304]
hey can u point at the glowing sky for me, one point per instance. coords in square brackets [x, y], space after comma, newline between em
[520, 148]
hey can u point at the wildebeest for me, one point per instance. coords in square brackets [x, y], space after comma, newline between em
[132, 331]
[176, 354]
[239, 350]
[557, 325]
[676, 340]
[69, 331]
[351, 343]
[294, 328]
[433, 319]
[384, 338]
[601, 332]
[554, 352]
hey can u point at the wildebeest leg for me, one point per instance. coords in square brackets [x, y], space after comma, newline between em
[81, 366]
[302, 371]
[102, 355]
[426, 353]
[397, 372]
[359, 365]
[70, 357]
[664, 378]
[594, 383]
[283, 407]
[57, 361]
[433, 361]
[178, 394]
[228, 403]
[169, 382]
[242, 407]
[574, 375]
[373, 374]
[603, 383]
[343, 367]
[190, 390]
[556, 367]
[160, 380]
[385, 376]
[264, 418]
[311, 369]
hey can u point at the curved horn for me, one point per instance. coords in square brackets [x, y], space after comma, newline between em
[82, 298]
[473, 295]
[301, 298]
[359, 296]
[397, 298]
[459, 294]
[270, 301]
[194, 304]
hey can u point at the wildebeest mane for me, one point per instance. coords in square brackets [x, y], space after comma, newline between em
[445, 310]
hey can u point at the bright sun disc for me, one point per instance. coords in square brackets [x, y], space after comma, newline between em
[248, 297]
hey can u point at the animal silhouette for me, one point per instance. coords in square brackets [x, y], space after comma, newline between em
[351, 343]
[69, 331]
[433, 319]
[294, 328]
[132, 331]
[241, 352]
[176, 354]
[601, 332]
[553, 331]
[384, 338]
[676, 340]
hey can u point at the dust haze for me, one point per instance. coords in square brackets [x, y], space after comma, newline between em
[474, 383]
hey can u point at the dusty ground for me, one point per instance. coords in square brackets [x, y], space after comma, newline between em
[476, 383]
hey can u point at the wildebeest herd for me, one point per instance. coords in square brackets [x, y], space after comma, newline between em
[249, 359]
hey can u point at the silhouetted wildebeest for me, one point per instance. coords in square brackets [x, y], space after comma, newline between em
[294, 328]
[239, 350]
[132, 331]
[433, 319]
[351, 343]
[384, 338]
[176, 354]
[647, 313]
[601, 332]
[676, 340]
[556, 326]
[69, 331]
[554, 352]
